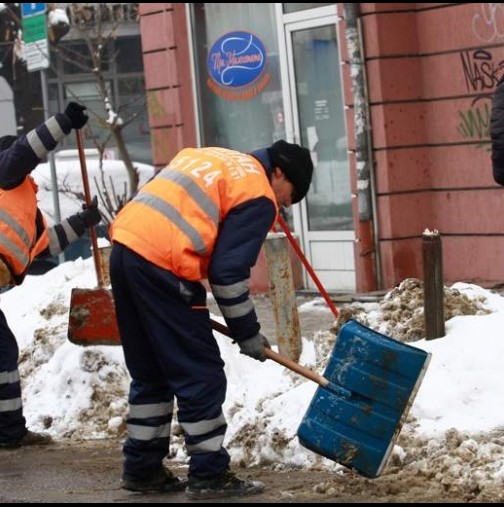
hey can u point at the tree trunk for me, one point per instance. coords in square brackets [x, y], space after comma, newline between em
[125, 157]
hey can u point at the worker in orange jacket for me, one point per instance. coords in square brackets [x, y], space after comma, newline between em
[204, 216]
[24, 237]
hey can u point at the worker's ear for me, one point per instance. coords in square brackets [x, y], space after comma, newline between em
[278, 173]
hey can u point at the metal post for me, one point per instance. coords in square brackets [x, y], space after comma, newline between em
[283, 296]
[433, 285]
[366, 230]
[52, 165]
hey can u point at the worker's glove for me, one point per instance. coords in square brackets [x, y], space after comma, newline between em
[76, 114]
[254, 347]
[91, 214]
[89, 217]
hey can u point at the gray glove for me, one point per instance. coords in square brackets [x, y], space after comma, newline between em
[254, 347]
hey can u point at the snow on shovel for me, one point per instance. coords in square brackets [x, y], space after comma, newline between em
[92, 318]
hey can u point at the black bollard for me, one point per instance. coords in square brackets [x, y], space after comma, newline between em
[432, 254]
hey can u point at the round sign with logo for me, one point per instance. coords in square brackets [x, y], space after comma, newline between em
[236, 59]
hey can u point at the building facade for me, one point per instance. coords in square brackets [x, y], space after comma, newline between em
[393, 100]
[73, 75]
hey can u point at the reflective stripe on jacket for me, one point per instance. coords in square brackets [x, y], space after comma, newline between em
[174, 219]
[18, 227]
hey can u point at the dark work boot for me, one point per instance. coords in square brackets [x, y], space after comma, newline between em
[162, 481]
[223, 485]
[29, 438]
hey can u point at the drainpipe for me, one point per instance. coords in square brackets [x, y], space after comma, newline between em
[369, 277]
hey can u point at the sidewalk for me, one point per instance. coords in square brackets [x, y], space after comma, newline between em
[90, 471]
[314, 315]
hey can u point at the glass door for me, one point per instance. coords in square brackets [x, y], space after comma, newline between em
[317, 121]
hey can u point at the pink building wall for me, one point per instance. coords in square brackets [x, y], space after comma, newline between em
[431, 70]
[167, 67]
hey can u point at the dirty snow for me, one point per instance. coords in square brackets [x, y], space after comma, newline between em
[455, 428]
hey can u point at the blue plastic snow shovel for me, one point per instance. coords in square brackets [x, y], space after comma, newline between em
[364, 396]
[372, 382]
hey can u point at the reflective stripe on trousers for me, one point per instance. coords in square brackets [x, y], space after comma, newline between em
[170, 351]
[12, 422]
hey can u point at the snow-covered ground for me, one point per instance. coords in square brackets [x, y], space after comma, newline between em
[455, 428]
[81, 392]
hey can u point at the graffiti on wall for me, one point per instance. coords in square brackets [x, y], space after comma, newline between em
[474, 122]
[157, 110]
[488, 22]
[155, 104]
[481, 74]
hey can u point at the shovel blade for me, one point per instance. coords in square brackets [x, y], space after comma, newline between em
[92, 319]
[383, 376]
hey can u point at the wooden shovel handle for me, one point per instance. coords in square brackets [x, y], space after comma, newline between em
[87, 200]
[278, 358]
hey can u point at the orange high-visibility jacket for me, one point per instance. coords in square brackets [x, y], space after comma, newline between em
[18, 227]
[174, 219]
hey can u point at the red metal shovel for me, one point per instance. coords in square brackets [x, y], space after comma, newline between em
[92, 318]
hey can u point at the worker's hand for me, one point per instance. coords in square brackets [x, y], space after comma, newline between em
[91, 214]
[254, 347]
[76, 114]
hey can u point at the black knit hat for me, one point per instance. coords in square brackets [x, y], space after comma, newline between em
[296, 163]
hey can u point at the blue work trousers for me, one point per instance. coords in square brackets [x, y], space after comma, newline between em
[12, 422]
[170, 351]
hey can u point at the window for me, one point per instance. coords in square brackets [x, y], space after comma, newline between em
[77, 60]
[290, 8]
[245, 117]
[128, 55]
[122, 69]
